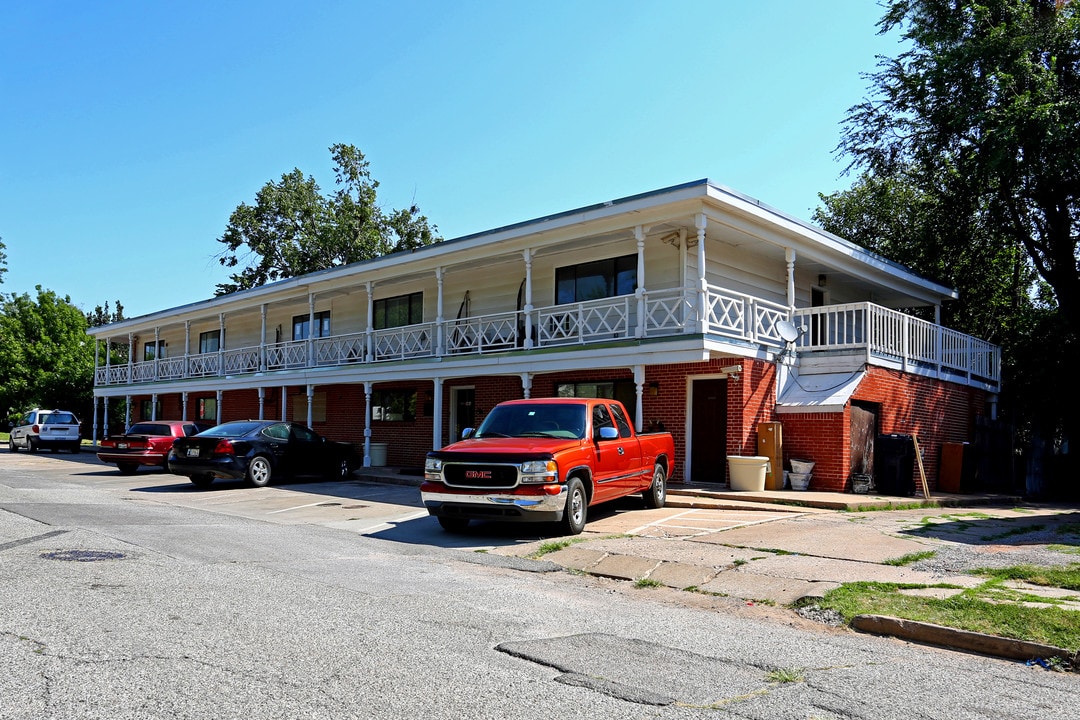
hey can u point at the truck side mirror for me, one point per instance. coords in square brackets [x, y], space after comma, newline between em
[467, 433]
[608, 433]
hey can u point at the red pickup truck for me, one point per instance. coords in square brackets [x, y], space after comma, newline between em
[546, 460]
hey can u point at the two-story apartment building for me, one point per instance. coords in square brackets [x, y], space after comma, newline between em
[676, 301]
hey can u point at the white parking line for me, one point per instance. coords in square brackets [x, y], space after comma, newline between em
[668, 521]
[298, 507]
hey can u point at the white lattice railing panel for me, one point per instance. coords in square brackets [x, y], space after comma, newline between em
[668, 311]
[171, 368]
[406, 342]
[583, 322]
[485, 333]
[242, 360]
[341, 349]
[143, 371]
[202, 365]
[280, 356]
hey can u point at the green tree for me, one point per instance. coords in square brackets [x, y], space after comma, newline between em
[3, 260]
[294, 229]
[103, 316]
[46, 357]
[982, 108]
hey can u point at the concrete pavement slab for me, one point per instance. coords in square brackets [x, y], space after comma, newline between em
[623, 567]
[681, 575]
[708, 556]
[823, 536]
[811, 568]
[780, 590]
[576, 557]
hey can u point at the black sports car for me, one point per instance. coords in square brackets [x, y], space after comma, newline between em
[260, 450]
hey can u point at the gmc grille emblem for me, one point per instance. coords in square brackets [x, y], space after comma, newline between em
[478, 474]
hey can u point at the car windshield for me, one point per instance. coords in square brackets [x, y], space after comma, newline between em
[59, 418]
[540, 420]
[232, 429]
[150, 429]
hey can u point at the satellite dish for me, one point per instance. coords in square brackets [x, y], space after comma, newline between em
[788, 331]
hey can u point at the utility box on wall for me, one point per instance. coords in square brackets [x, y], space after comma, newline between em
[771, 445]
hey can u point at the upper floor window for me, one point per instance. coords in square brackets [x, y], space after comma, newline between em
[399, 311]
[210, 342]
[154, 351]
[301, 326]
[596, 280]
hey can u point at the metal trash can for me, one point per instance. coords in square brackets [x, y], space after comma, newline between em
[378, 454]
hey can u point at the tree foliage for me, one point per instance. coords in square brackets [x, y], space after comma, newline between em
[293, 228]
[46, 358]
[103, 316]
[3, 260]
[983, 106]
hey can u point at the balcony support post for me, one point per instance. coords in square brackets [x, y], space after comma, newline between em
[262, 345]
[939, 339]
[310, 392]
[183, 405]
[528, 307]
[187, 349]
[284, 401]
[700, 222]
[153, 406]
[218, 395]
[436, 409]
[157, 352]
[105, 418]
[367, 422]
[262, 401]
[639, 391]
[221, 348]
[127, 413]
[108, 362]
[789, 258]
[370, 321]
[440, 330]
[94, 437]
[639, 291]
[311, 331]
[526, 385]
[131, 360]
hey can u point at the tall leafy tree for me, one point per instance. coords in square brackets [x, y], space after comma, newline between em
[3, 261]
[46, 358]
[293, 228]
[983, 106]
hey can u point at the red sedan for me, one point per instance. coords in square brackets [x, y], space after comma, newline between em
[146, 443]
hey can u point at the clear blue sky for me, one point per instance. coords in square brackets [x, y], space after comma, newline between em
[129, 131]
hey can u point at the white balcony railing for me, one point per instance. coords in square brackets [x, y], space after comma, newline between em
[884, 335]
[892, 336]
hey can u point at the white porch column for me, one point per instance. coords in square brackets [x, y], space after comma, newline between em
[183, 405]
[311, 335]
[284, 400]
[789, 258]
[157, 351]
[108, 366]
[131, 360]
[97, 351]
[528, 307]
[262, 346]
[440, 338]
[367, 423]
[639, 291]
[262, 402]
[127, 413]
[370, 322]
[700, 222]
[939, 339]
[639, 389]
[221, 351]
[105, 417]
[218, 418]
[310, 402]
[187, 349]
[437, 412]
[96, 398]
[526, 384]
[153, 406]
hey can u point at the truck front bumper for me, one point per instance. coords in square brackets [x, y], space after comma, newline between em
[540, 503]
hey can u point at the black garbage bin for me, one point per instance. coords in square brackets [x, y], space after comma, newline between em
[894, 464]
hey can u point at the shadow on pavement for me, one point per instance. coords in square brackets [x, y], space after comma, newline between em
[978, 528]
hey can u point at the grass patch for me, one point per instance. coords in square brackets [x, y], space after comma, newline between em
[1067, 577]
[1068, 529]
[647, 583]
[970, 610]
[739, 561]
[910, 558]
[893, 506]
[553, 546]
[1013, 532]
[786, 675]
[1070, 549]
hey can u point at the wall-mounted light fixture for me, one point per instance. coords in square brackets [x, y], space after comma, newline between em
[822, 280]
[654, 389]
[732, 371]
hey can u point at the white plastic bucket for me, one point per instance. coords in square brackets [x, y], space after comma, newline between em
[802, 466]
[746, 473]
[799, 481]
[378, 454]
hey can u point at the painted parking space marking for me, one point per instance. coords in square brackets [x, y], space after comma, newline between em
[699, 522]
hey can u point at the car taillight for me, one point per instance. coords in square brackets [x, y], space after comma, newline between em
[35, 429]
[224, 447]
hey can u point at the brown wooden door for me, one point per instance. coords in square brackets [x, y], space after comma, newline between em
[708, 431]
[863, 433]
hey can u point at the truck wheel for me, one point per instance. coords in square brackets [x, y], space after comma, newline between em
[577, 505]
[454, 524]
[657, 493]
[127, 468]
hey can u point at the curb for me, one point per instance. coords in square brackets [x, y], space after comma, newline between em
[939, 635]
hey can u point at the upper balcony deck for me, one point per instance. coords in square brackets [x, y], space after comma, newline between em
[879, 335]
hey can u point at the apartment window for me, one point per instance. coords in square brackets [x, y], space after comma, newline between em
[153, 351]
[207, 409]
[301, 326]
[393, 405]
[147, 410]
[399, 311]
[596, 280]
[210, 342]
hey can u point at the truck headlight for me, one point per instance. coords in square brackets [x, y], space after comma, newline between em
[539, 471]
[433, 465]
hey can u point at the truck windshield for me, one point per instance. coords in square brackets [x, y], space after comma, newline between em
[557, 421]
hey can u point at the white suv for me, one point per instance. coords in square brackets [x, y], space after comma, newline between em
[53, 429]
